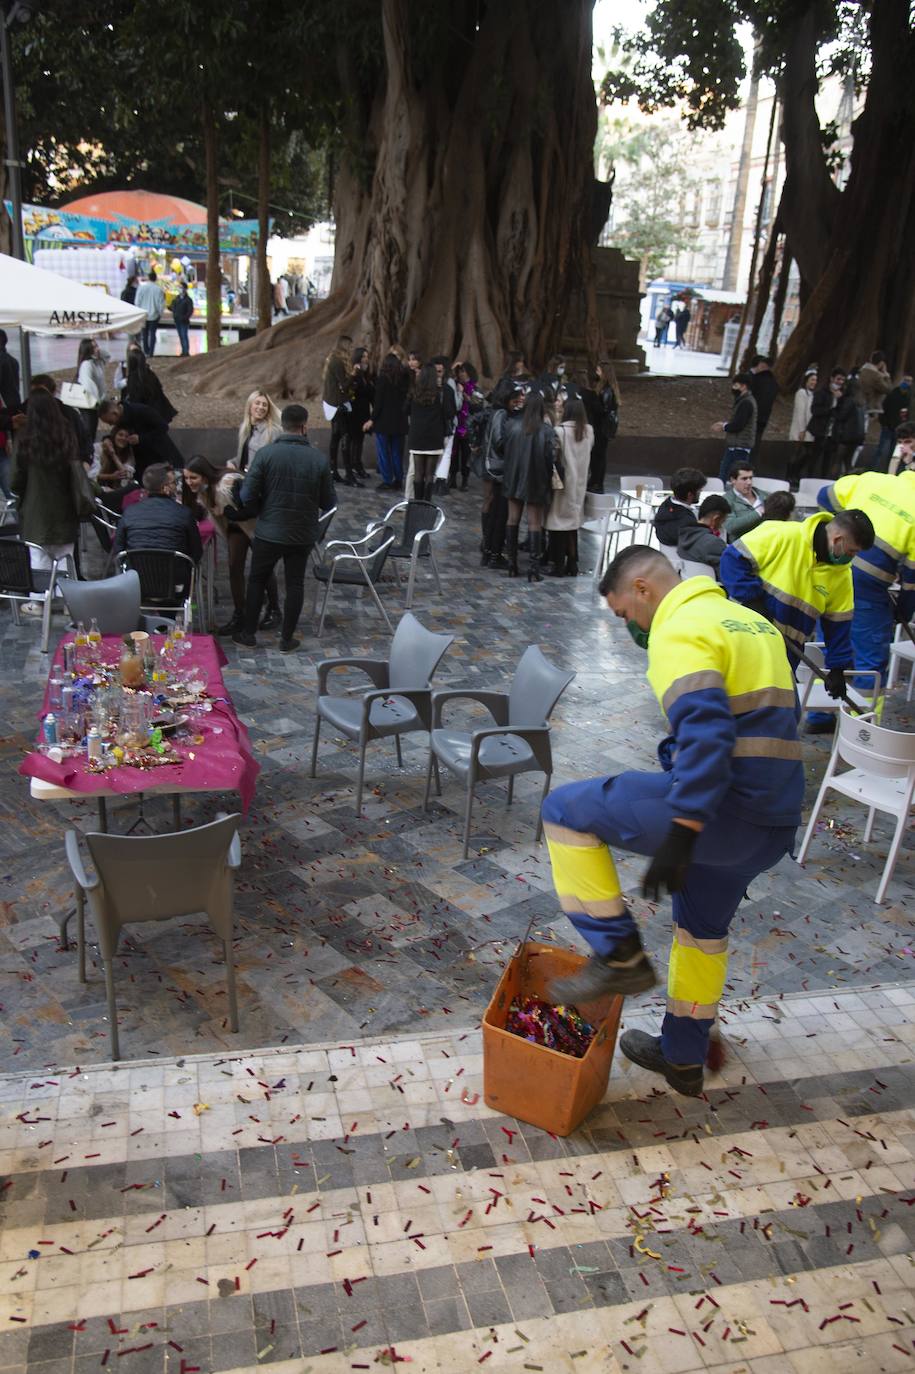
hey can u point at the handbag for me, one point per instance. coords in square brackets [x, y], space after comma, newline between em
[72, 394]
[556, 481]
[81, 490]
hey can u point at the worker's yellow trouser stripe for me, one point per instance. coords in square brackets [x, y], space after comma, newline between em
[584, 873]
[695, 976]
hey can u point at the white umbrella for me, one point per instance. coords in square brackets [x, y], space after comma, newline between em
[44, 303]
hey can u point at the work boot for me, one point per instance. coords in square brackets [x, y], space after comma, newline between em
[626, 974]
[645, 1050]
[820, 725]
[511, 543]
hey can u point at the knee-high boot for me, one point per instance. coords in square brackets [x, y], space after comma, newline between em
[485, 547]
[511, 547]
[533, 558]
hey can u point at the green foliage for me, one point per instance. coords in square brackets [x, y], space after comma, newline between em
[650, 202]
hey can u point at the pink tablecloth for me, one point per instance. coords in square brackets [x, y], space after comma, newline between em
[222, 763]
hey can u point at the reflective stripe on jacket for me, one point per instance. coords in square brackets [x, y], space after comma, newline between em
[721, 676]
[776, 563]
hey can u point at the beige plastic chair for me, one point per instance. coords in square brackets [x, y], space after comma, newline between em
[155, 878]
[881, 776]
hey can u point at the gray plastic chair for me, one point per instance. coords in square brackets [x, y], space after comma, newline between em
[401, 701]
[519, 742]
[155, 878]
[114, 602]
[360, 564]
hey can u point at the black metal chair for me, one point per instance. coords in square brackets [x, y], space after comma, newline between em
[359, 563]
[167, 579]
[19, 581]
[422, 520]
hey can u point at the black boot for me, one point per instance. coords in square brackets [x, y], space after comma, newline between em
[645, 1050]
[511, 546]
[558, 553]
[624, 974]
[236, 623]
[485, 550]
[533, 558]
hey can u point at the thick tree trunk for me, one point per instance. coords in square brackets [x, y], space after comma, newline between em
[214, 269]
[778, 305]
[858, 277]
[264, 292]
[735, 238]
[464, 207]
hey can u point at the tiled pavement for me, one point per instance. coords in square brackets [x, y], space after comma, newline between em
[354, 1207]
[376, 926]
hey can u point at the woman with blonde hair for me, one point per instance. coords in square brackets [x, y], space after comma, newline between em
[260, 425]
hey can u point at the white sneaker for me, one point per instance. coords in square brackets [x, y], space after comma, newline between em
[31, 608]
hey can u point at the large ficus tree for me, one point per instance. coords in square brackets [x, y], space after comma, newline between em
[853, 245]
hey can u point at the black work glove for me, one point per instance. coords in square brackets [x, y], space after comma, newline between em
[900, 610]
[836, 686]
[669, 865]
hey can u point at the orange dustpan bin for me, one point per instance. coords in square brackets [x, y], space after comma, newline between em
[531, 1082]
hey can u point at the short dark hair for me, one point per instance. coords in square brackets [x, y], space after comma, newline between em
[630, 563]
[906, 430]
[42, 381]
[740, 465]
[293, 416]
[838, 372]
[743, 379]
[760, 358]
[779, 505]
[714, 505]
[155, 477]
[440, 360]
[686, 480]
[152, 274]
[106, 406]
[878, 357]
[858, 525]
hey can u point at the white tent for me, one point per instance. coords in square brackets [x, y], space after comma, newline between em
[45, 303]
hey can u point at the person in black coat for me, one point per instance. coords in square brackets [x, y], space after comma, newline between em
[835, 423]
[359, 418]
[527, 480]
[432, 415]
[159, 521]
[149, 433]
[389, 421]
[675, 513]
[764, 388]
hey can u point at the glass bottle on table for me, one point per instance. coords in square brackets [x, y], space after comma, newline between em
[95, 642]
[80, 646]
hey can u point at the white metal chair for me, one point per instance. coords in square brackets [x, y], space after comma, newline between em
[808, 489]
[812, 690]
[881, 776]
[691, 568]
[354, 563]
[902, 650]
[422, 521]
[673, 558]
[19, 581]
[769, 484]
[640, 508]
[604, 517]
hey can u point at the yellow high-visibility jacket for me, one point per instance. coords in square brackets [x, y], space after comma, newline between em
[890, 503]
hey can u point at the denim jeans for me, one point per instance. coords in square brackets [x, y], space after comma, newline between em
[148, 337]
[183, 332]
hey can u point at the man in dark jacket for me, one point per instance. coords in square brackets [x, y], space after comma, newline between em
[182, 309]
[740, 429]
[289, 482]
[9, 375]
[676, 512]
[159, 522]
[835, 423]
[148, 430]
[764, 388]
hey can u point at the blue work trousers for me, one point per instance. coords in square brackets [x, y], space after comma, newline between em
[633, 811]
[872, 628]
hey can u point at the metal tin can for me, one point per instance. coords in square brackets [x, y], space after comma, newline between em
[49, 728]
[93, 744]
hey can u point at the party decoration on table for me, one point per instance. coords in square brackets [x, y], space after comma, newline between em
[558, 1028]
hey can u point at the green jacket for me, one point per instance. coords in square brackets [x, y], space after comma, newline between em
[47, 512]
[290, 484]
[743, 517]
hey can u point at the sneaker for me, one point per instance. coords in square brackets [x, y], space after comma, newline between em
[645, 1050]
[601, 978]
[289, 646]
[236, 623]
[249, 641]
[271, 618]
[31, 608]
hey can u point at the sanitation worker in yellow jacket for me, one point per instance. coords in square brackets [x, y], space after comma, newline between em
[724, 808]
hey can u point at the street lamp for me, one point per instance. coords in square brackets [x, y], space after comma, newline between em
[9, 14]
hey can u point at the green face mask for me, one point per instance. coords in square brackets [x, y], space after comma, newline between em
[639, 636]
[840, 560]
